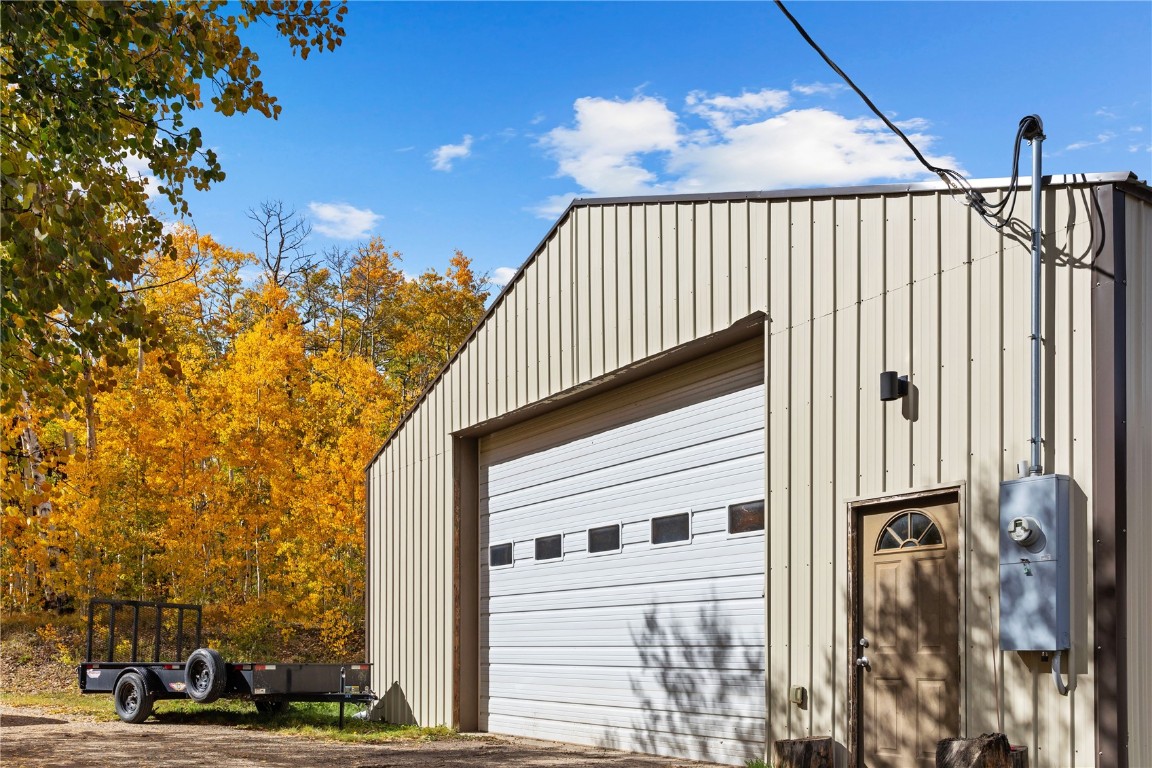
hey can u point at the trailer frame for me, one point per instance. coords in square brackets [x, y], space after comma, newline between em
[141, 679]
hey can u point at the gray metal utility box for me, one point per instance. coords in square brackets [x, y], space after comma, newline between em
[1034, 564]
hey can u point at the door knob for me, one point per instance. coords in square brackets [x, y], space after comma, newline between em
[863, 662]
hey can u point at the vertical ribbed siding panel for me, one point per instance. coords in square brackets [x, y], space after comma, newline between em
[616, 291]
[685, 288]
[721, 255]
[668, 331]
[823, 454]
[800, 482]
[741, 259]
[847, 382]
[776, 232]
[600, 321]
[700, 278]
[530, 286]
[898, 340]
[641, 279]
[986, 340]
[568, 305]
[1138, 245]
[544, 320]
[871, 340]
[955, 324]
[926, 340]
[493, 371]
[759, 279]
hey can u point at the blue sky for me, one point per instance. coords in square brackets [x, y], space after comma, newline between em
[443, 126]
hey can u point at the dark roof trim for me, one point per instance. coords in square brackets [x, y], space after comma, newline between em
[1125, 178]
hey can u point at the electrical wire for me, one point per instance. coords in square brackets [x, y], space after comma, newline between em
[1029, 128]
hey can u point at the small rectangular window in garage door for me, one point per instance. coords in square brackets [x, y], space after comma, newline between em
[669, 529]
[549, 547]
[606, 538]
[746, 517]
[500, 555]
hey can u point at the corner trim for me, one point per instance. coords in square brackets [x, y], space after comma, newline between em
[1109, 481]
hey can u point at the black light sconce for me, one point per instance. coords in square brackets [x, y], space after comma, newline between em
[892, 386]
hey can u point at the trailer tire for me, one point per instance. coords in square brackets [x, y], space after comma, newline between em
[133, 699]
[205, 676]
[271, 707]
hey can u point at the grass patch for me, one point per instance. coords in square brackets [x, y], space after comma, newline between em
[306, 719]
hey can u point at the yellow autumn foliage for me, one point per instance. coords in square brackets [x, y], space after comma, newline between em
[237, 484]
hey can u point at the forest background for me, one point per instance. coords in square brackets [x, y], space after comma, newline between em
[182, 421]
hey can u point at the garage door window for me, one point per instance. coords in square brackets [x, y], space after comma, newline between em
[670, 529]
[746, 517]
[500, 555]
[549, 547]
[606, 538]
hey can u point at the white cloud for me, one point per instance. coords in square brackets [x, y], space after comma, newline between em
[722, 111]
[1102, 138]
[444, 156]
[343, 221]
[602, 153]
[501, 276]
[814, 89]
[750, 141]
[138, 168]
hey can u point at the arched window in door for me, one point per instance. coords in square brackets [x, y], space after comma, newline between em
[907, 530]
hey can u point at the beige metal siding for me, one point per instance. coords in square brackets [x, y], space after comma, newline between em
[853, 284]
[1138, 245]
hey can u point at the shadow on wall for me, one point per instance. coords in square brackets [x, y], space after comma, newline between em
[393, 707]
[695, 690]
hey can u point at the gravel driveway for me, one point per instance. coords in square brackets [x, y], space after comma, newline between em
[33, 739]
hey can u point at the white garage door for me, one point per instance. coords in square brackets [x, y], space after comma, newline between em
[622, 553]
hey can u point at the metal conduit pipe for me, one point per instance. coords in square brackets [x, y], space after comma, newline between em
[1035, 134]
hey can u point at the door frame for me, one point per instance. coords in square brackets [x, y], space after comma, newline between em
[857, 508]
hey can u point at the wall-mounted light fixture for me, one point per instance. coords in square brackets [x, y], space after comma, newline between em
[892, 386]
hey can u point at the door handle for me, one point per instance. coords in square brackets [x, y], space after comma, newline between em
[862, 660]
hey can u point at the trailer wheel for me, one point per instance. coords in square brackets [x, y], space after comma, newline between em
[133, 699]
[271, 706]
[205, 676]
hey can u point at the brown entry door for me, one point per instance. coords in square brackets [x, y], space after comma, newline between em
[910, 620]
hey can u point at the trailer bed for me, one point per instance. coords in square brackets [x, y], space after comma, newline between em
[138, 674]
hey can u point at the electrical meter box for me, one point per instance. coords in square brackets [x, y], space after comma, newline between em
[1034, 564]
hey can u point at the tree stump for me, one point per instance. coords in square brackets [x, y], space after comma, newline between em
[814, 752]
[989, 750]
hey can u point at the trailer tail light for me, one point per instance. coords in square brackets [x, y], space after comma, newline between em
[263, 667]
[359, 666]
[171, 666]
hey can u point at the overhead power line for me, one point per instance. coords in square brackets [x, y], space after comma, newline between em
[1029, 129]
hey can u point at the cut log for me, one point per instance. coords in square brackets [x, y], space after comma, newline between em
[989, 750]
[815, 752]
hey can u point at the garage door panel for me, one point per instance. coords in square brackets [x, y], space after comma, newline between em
[683, 625]
[578, 656]
[701, 425]
[656, 648]
[602, 593]
[604, 482]
[588, 704]
[691, 488]
[690, 737]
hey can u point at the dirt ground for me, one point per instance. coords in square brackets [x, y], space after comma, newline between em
[33, 739]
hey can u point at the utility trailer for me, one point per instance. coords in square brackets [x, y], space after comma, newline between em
[162, 632]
